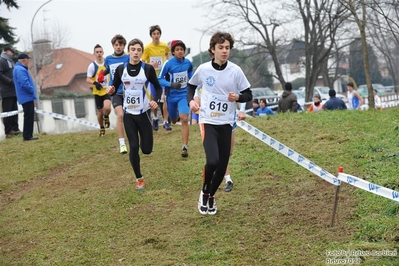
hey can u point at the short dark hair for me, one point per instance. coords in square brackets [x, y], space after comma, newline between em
[288, 86]
[97, 46]
[220, 37]
[135, 41]
[154, 28]
[8, 48]
[118, 39]
[263, 100]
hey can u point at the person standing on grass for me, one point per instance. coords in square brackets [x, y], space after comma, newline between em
[135, 77]
[180, 70]
[156, 53]
[354, 98]
[223, 84]
[101, 98]
[111, 62]
[7, 92]
[26, 94]
[377, 101]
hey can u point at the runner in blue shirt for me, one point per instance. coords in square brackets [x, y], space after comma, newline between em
[180, 70]
[111, 62]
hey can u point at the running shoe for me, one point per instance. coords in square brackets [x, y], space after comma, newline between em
[228, 187]
[184, 153]
[203, 203]
[155, 124]
[166, 126]
[212, 209]
[102, 132]
[140, 184]
[123, 149]
[106, 121]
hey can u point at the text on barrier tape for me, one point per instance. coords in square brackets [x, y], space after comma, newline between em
[12, 113]
[68, 118]
[290, 153]
[370, 187]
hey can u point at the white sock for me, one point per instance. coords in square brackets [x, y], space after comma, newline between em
[122, 141]
[227, 177]
[184, 146]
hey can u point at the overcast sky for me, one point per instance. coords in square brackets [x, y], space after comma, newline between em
[90, 22]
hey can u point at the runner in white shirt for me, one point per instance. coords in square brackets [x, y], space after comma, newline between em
[137, 99]
[223, 84]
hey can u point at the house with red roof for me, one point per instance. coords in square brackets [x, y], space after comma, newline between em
[62, 69]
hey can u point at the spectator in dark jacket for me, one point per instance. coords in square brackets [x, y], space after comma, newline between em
[288, 101]
[7, 92]
[334, 103]
[26, 94]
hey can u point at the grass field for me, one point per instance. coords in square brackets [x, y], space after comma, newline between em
[70, 199]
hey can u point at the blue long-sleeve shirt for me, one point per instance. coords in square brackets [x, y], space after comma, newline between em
[180, 71]
[264, 111]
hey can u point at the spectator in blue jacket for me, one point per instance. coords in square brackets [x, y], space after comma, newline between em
[334, 103]
[26, 94]
[263, 110]
[180, 71]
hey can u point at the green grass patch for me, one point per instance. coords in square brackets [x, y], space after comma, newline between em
[70, 200]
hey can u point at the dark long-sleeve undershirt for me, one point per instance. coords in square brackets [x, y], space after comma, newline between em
[133, 71]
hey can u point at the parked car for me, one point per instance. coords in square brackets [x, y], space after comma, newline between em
[268, 94]
[390, 89]
[323, 92]
[363, 91]
[300, 97]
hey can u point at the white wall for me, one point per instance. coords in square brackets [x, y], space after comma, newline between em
[51, 125]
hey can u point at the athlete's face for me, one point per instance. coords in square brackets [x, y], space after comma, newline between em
[156, 36]
[179, 52]
[135, 52]
[118, 47]
[99, 53]
[221, 52]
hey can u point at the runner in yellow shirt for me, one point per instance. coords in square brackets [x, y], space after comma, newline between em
[101, 98]
[156, 53]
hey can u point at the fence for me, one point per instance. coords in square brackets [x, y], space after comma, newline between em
[82, 108]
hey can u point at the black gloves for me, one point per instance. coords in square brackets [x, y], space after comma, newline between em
[175, 85]
[98, 85]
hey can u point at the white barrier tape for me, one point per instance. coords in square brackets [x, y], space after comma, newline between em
[370, 187]
[12, 113]
[290, 153]
[68, 118]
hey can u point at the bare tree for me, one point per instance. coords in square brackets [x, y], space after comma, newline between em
[358, 9]
[383, 31]
[261, 25]
[321, 21]
[47, 39]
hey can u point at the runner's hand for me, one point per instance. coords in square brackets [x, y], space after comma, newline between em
[98, 85]
[175, 85]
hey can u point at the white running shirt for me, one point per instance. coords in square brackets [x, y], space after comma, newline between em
[216, 84]
[135, 94]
